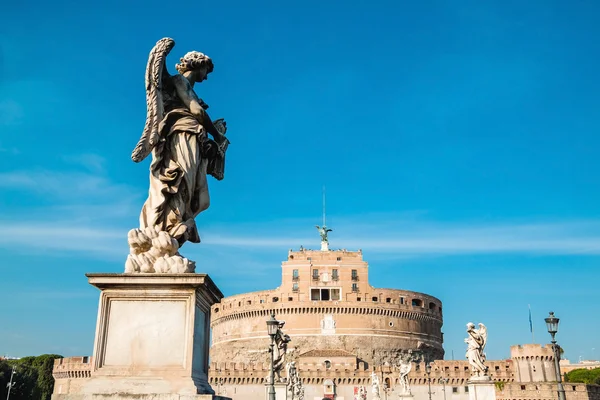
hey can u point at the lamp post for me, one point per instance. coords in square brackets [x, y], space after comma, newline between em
[552, 324]
[10, 384]
[428, 371]
[272, 326]
[443, 381]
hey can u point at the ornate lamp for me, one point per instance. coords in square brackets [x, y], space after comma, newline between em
[428, 372]
[552, 324]
[272, 327]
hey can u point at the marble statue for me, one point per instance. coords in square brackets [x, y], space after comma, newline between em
[375, 387]
[294, 384]
[183, 155]
[280, 351]
[476, 341]
[362, 393]
[405, 366]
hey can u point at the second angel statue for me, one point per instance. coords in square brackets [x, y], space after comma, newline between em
[183, 155]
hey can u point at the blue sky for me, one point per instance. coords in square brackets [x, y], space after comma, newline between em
[457, 140]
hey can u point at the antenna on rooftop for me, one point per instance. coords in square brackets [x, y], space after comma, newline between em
[323, 230]
[324, 217]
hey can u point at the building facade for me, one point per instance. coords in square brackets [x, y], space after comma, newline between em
[327, 303]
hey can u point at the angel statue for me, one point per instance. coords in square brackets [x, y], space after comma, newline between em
[404, 366]
[375, 388]
[176, 134]
[475, 349]
[323, 231]
[280, 351]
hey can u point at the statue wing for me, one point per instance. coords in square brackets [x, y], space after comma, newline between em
[156, 71]
[483, 334]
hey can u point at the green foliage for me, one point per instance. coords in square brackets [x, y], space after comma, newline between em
[499, 385]
[33, 378]
[587, 376]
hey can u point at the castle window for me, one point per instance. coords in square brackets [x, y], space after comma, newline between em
[354, 275]
[295, 275]
[325, 294]
[497, 368]
[261, 301]
[291, 257]
[522, 387]
[454, 390]
[388, 300]
[309, 258]
[358, 299]
[401, 300]
[355, 287]
[315, 274]
[466, 389]
[249, 302]
[374, 298]
[295, 287]
[315, 294]
[334, 275]
[290, 299]
[335, 294]
[432, 306]
[86, 359]
[275, 299]
[217, 310]
[339, 259]
[327, 364]
[417, 303]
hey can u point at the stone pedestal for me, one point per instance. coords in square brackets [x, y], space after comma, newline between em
[481, 388]
[280, 391]
[152, 337]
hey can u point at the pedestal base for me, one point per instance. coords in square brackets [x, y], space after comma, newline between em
[152, 337]
[280, 391]
[481, 388]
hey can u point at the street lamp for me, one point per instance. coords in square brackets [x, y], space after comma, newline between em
[552, 324]
[428, 371]
[443, 381]
[272, 326]
[10, 384]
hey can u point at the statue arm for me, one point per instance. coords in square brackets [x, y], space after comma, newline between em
[189, 98]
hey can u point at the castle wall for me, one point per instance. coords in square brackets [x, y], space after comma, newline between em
[327, 303]
[533, 363]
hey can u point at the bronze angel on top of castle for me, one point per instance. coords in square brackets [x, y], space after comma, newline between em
[183, 155]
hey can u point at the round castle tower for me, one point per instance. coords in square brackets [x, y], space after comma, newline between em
[327, 304]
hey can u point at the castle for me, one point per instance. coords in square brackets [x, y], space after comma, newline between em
[343, 330]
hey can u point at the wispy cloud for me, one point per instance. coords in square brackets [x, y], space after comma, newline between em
[70, 184]
[91, 162]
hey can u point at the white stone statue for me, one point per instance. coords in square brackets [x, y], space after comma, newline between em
[183, 155]
[405, 366]
[375, 387]
[362, 393]
[294, 383]
[280, 351]
[476, 342]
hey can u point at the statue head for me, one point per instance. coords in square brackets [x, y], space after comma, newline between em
[198, 63]
[470, 326]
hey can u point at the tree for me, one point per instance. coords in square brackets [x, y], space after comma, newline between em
[33, 378]
[587, 376]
